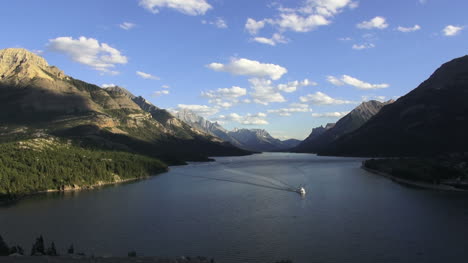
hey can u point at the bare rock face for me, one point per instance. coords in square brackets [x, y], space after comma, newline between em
[17, 64]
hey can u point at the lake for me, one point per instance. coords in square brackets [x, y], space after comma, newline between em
[239, 209]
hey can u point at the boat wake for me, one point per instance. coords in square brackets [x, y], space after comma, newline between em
[265, 182]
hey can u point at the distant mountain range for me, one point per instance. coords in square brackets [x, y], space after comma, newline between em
[37, 99]
[429, 121]
[322, 137]
[249, 139]
[261, 140]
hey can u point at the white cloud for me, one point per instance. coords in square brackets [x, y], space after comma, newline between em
[361, 84]
[363, 46]
[372, 97]
[253, 26]
[248, 67]
[127, 25]
[275, 39]
[146, 75]
[226, 97]
[307, 17]
[320, 98]
[37, 51]
[160, 93]
[451, 30]
[165, 87]
[298, 23]
[335, 81]
[348, 80]
[409, 29]
[264, 93]
[88, 51]
[201, 110]
[108, 86]
[377, 22]
[226, 93]
[219, 23]
[345, 39]
[330, 114]
[249, 119]
[188, 7]
[294, 85]
[294, 108]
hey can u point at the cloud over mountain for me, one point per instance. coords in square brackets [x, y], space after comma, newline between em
[88, 51]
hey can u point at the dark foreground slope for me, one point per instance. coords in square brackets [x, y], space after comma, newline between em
[430, 120]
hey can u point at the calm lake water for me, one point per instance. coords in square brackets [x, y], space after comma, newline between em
[238, 210]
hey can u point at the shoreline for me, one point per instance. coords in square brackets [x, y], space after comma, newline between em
[98, 259]
[423, 185]
[4, 200]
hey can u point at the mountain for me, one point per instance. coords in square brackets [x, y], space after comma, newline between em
[251, 140]
[259, 140]
[199, 123]
[289, 144]
[322, 137]
[316, 133]
[36, 98]
[430, 120]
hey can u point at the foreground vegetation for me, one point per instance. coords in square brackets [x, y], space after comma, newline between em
[450, 170]
[43, 164]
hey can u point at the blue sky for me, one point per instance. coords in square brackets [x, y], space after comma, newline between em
[285, 66]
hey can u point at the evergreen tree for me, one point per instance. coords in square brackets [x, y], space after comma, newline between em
[4, 250]
[38, 247]
[17, 250]
[52, 251]
[71, 250]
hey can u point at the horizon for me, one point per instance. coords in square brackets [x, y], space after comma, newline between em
[285, 69]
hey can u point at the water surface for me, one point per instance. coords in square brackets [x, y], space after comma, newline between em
[238, 209]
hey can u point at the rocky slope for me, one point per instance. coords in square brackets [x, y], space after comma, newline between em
[38, 98]
[201, 124]
[321, 138]
[430, 120]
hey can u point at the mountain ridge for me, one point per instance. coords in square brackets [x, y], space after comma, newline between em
[257, 140]
[35, 96]
[432, 119]
[350, 122]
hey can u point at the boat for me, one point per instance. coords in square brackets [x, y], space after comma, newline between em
[301, 190]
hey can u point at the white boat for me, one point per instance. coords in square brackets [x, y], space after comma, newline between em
[301, 190]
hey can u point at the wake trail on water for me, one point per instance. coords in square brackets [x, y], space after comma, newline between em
[275, 182]
[278, 185]
[243, 182]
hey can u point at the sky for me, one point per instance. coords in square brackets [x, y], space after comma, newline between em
[284, 66]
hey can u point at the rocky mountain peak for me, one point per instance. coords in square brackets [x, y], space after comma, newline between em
[370, 108]
[120, 91]
[18, 64]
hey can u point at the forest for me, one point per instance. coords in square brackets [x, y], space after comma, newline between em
[42, 164]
